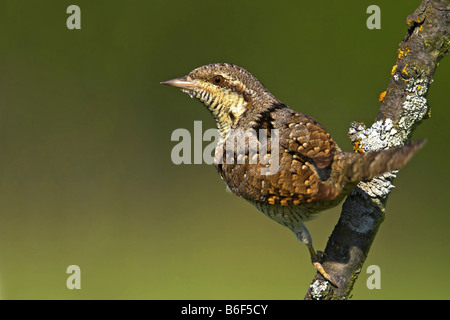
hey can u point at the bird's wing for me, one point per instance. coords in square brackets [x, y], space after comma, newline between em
[305, 157]
[306, 138]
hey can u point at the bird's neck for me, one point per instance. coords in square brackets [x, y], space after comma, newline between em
[229, 110]
[226, 110]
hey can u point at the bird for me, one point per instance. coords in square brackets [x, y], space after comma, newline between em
[312, 174]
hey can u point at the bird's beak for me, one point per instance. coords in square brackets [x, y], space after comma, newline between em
[182, 83]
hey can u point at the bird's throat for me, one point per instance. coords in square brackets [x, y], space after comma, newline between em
[226, 108]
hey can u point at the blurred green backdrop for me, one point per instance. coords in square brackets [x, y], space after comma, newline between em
[86, 176]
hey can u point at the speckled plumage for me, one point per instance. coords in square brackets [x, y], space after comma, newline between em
[313, 175]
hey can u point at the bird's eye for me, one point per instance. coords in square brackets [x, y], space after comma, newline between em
[218, 80]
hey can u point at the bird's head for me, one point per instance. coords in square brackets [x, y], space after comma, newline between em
[226, 89]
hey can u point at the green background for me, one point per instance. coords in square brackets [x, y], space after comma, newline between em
[86, 176]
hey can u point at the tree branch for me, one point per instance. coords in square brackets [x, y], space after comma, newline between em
[404, 106]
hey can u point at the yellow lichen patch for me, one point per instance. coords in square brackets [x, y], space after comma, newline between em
[382, 95]
[409, 21]
[404, 70]
[357, 146]
[393, 69]
[402, 53]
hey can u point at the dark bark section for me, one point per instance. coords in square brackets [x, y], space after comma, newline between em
[403, 107]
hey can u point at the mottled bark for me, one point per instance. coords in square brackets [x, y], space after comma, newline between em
[404, 106]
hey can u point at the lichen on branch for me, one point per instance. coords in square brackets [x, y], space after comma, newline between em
[403, 106]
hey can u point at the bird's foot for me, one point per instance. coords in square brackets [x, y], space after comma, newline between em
[315, 261]
[320, 255]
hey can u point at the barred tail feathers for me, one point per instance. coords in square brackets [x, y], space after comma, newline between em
[365, 166]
